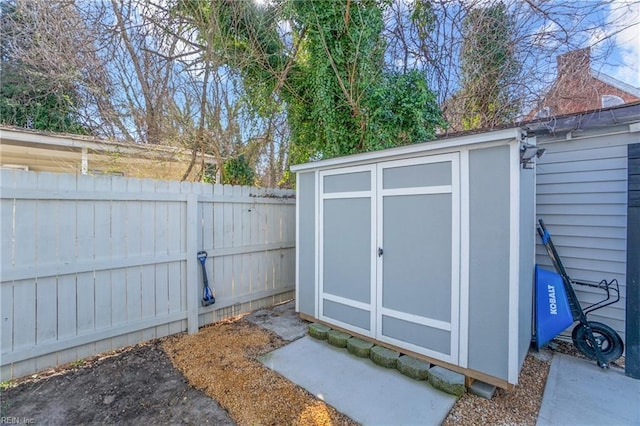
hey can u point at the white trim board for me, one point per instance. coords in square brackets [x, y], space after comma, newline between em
[514, 263]
[297, 260]
[499, 137]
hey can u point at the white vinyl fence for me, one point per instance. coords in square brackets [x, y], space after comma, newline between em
[92, 264]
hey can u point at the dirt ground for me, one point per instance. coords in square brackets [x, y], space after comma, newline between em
[213, 377]
[136, 385]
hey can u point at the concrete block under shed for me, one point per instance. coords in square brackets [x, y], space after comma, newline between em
[337, 338]
[412, 367]
[482, 389]
[359, 347]
[447, 381]
[384, 357]
[318, 331]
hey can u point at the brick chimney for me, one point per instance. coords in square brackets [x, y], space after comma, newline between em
[576, 62]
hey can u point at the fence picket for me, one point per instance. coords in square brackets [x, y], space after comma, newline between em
[6, 325]
[161, 297]
[118, 303]
[174, 226]
[147, 297]
[24, 314]
[254, 238]
[147, 247]
[228, 282]
[161, 224]
[161, 243]
[118, 281]
[103, 302]
[25, 232]
[8, 235]
[85, 250]
[236, 218]
[46, 310]
[175, 293]
[218, 243]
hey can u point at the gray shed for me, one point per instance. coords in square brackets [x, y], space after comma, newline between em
[427, 249]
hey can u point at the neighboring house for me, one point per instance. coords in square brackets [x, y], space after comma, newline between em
[578, 87]
[75, 154]
[588, 195]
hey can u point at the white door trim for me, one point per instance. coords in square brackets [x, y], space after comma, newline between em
[321, 294]
[454, 189]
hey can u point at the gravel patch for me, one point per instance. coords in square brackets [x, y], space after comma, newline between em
[519, 406]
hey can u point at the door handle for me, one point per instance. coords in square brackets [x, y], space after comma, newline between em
[380, 251]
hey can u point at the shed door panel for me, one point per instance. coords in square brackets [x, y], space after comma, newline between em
[347, 241]
[418, 230]
[346, 252]
[417, 255]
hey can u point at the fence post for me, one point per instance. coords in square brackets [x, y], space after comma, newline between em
[192, 264]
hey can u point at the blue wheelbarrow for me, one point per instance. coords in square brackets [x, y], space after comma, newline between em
[557, 307]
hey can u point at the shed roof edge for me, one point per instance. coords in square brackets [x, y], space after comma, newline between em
[424, 147]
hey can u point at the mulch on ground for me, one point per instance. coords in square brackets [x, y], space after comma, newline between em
[220, 360]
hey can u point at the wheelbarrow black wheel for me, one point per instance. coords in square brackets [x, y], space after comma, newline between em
[609, 341]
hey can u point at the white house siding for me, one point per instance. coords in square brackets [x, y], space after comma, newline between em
[582, 197]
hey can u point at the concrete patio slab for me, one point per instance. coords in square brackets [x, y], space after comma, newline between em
[579, 393]
[281, 320]
[367, 393]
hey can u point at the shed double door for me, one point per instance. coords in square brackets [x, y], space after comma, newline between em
[389, 249]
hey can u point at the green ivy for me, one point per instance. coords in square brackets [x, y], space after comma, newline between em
[37, 107]
[489, 67]
[338, 97]
[402, 111]
[386, 109]
[238, 171]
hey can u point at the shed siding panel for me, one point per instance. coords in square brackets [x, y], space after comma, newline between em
[417, 334]
[489, 260]
[347, 182]
[307, 243]
[417, 175]
[347, 314]
[582, 196]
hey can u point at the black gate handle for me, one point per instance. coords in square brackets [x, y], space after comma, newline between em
[380, 251]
